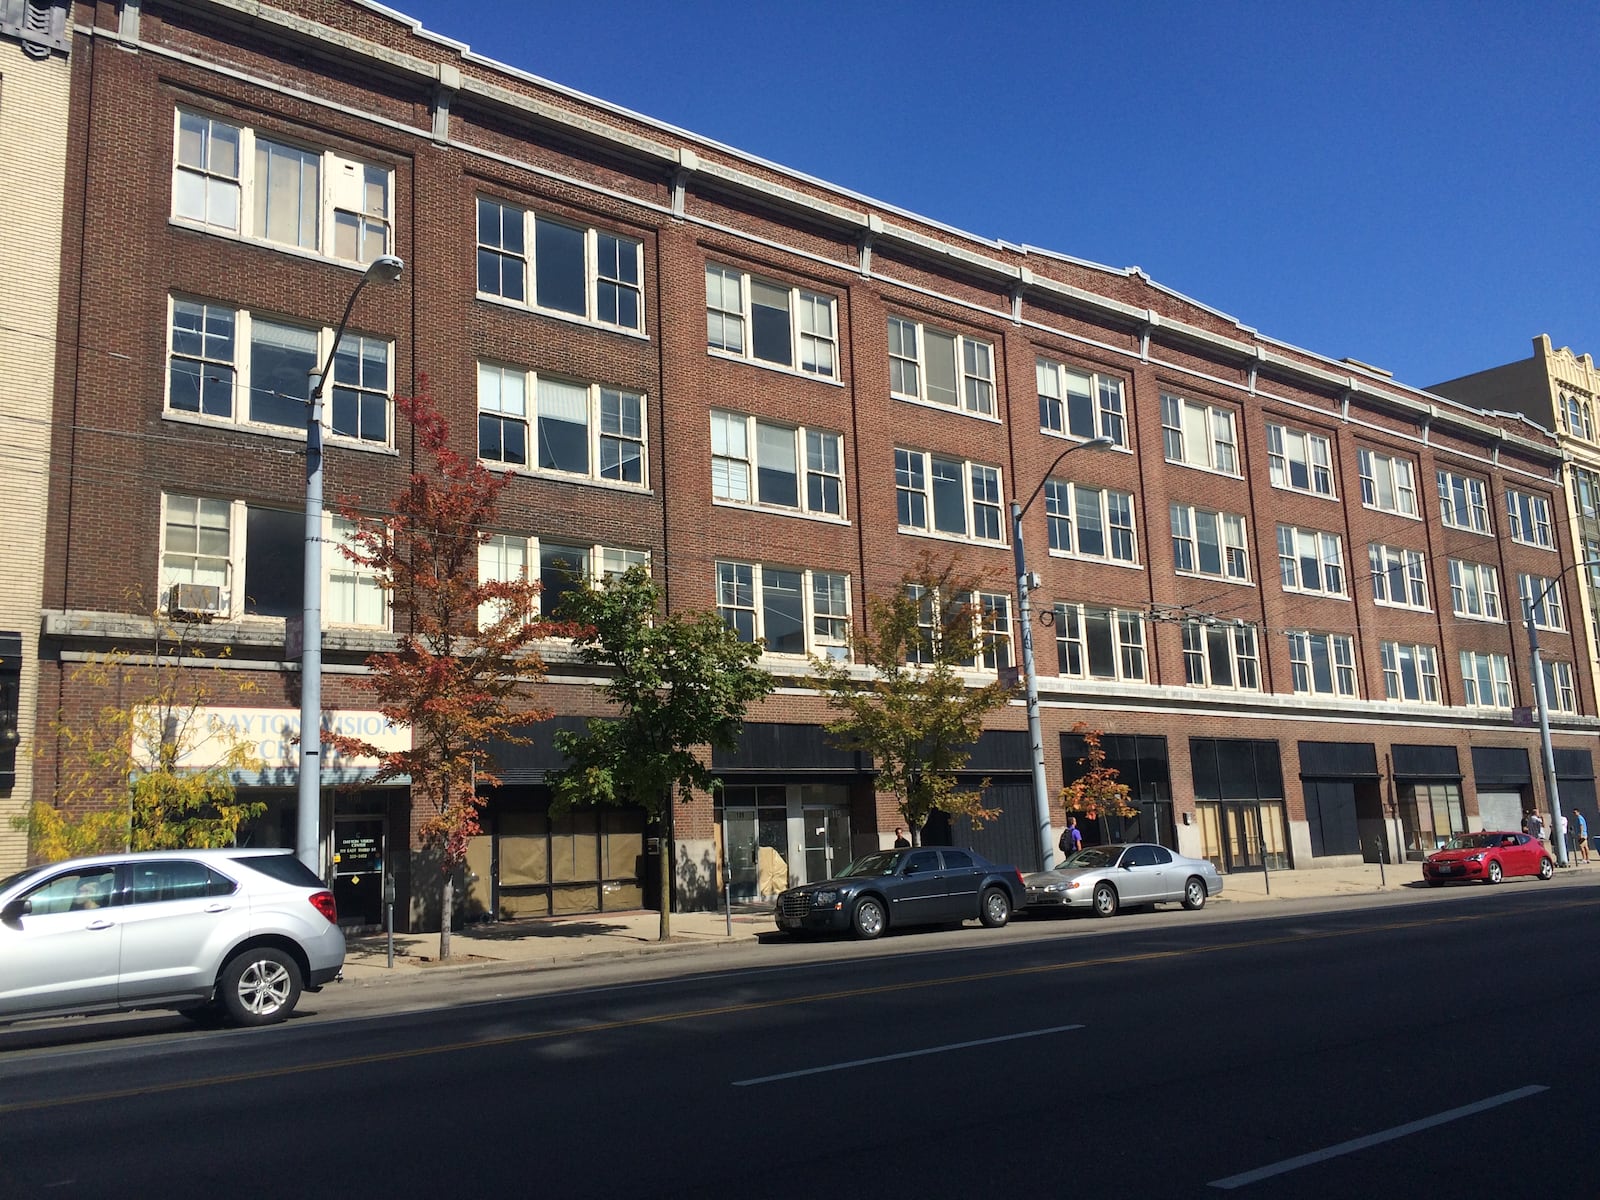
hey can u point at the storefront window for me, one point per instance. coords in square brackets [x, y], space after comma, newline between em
[1429, 814]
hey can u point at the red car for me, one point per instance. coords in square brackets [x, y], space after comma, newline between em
[1491, 855]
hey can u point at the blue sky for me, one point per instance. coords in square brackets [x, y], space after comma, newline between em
[1416, 185]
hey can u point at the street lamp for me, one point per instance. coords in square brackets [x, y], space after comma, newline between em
[1025, 585]
[308, 823]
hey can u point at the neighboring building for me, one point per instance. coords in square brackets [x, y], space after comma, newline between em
[778, 394]
[34, 88]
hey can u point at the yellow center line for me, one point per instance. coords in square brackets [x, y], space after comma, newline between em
[390, 1056]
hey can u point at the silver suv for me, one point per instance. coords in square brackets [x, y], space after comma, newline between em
[241, 930]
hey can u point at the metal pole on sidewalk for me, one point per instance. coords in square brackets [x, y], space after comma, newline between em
[727, 875]
[388, 914]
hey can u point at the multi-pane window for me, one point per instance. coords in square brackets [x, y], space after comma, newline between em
[576, 271]
[230, 365]
[771, 323]
[1410, 673]
[947, 495]
[937, 367]
[990, 613]
[502, 558]
[1541, 601]
[1530, 519]
[1090, 522]
[231, 179]
[1311, 561]
[1300, 461]
[1463, 501]
[1094, 642]
[1199, 435]
[1206, 542]
[795, 611]
[1578, 416]
[1474, 590]
[1586, 491]
[1559, 691]
[1322, 664]
[583, 429]
[1485, 679]
[1080, 405]
[1399, 576]
[353, 595]
[1221, 654]
[1388, 483]
[557, 568]
[776, 466]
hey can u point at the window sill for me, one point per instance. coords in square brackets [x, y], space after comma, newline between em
[774, 511]
[1306, 492]
[1188, 466]
[1488, 533]
[1249, 583]
[1416, 608]
[1461, 616]
[934, 536]
[282, 433]
[1310, 595]
[1095, 560]
[1074, 440]
[776, 368]
[565, 318]
[1533, 545]
[231, 235]
[990, 418]
[1391, 512]
[548, 476]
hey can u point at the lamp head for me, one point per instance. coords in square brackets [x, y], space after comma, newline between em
[385, 268]
[1099, 442]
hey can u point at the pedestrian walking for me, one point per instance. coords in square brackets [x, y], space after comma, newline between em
[900, 837]
[1566, 844]
[1071, 838]
[1535, 826]
[1583, 835]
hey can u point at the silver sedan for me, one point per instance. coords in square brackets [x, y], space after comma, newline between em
[1106, 878]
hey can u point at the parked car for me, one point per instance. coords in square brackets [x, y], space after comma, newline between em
[243, 931]
[1489, 856]
[895, 888]
[1107, 878]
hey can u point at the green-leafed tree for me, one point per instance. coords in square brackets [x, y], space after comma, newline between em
[917, 712]
[678, 681]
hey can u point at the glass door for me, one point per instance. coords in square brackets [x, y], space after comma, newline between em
[827, 841]
[742, 856]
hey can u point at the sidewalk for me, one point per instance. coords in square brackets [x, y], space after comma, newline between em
[550, 941]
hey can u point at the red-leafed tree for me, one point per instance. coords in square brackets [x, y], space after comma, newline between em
[465, 654]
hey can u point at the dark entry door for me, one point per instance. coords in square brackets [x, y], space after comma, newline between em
[358, 869]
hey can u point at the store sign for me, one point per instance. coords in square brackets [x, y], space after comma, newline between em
[272, 735]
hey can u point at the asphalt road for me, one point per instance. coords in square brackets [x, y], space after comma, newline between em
[1440, 1045]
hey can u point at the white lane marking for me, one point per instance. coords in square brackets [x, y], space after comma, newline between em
[883, 1058]
[1374, 1139]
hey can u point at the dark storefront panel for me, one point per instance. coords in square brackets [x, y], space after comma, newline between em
[1140, 761]
[1331, 816]
[777, 746]
[1500, 768]
[1339, 781]
[1012, 837]
[1575, 777]
[583, 861]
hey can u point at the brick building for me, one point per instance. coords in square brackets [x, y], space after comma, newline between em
[1283, 591]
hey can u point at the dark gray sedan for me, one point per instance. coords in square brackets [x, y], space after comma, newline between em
[919, 886]
[1106, 878]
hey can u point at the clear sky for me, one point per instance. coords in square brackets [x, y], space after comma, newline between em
[1416, 185]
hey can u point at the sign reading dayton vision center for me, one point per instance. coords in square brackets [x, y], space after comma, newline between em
[272, 735]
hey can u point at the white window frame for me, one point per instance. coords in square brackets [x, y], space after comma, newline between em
[349, 587]
[981, 495]
[1475, 591]
[1485, 673]
[597, 402]
[813, 349]
[1290, 449]
[1577, 415]
[1200, 435]
[1065, 510]
[351, 193]
[1123, 637]
[1541, 600]
[1586, 492]
[736, 447]
[1297, 547]
[1233, 543]
[1388, 483]
[1322, 664]
[1464, 502]
[1236, 642]
[1095, 403]
[991, 627]
[1410, 566]
[820, 623]
[1410, 667]
[600, 563]
[974, 390]
[1529, 517]
[1560, 691]
[624, 293]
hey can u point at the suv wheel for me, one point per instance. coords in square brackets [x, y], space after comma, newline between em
[259, 986]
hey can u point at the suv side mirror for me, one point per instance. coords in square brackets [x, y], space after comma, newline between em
[14, 911]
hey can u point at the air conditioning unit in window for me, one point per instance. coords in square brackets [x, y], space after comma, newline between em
[195, 600]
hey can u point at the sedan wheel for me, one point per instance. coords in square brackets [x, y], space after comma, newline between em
[995, 910]
[1546, 868]
[868, 920]
[1194, 893]
[1105, 900]
[1495, 873]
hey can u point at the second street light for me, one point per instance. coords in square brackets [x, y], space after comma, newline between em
[308, 818]
[1025, 586]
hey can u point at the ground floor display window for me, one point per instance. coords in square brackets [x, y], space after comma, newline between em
[1240, 836]
[1238, 788]
[780, 835]
[584, 861]
[1429, 814]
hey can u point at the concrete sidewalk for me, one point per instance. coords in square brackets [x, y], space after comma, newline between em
[509, 945]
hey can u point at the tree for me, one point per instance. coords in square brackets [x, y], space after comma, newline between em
[150, 769]
[678, 681]
[918, 714]
[466, 656]
[1096, 794]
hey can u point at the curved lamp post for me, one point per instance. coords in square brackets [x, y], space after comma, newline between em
[1026, 582]
[308, 818]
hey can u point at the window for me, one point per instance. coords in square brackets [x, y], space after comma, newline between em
[1300, 461]
[934, 367]
[793, 468]
[1578, 416]
[1387, 483]
[1093, 642]
[788, 326]
[235, 367]
[501, 558]
[1090, 522]
[994, 615]
[174, 879]
[1485, 679]
[1078, 405]
[1586, 491]
[558, 568]
[1310, 561]
[231, 179]
[796, 612]
[1322, 664]
[353, 595]
[1530, 519]
[990, 613]
[570, 270]
[961, 498]
[1559, 692]
[1410, 673]
[1463, 502]
[1199, 435]
[582, 429]
[1399, 576]
[1541, 601]
[1205, 542]
[1221, 654]
[1474, 590]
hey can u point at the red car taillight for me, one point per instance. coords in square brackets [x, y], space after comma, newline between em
[324, 903]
